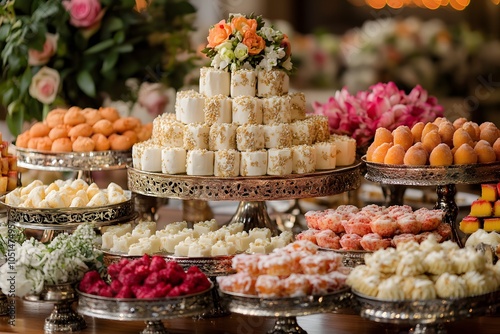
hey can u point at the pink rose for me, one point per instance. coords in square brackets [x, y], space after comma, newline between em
[45, 85]
[84, 13]
[36, 57]
[153, 97]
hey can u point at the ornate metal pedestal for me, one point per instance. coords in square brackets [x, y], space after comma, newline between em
[252, 192]
[63, 318]
[425, 316]
[445, 178]
[151, 311]
[286, 310]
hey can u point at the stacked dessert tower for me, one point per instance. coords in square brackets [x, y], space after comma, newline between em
[242, 122]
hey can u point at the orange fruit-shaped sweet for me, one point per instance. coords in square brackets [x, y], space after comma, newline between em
[382, 135]
[473, 129]
[485, 153]
[416, 155]
[485, 124]
[402, 135]
[446, 131]
[395, 155]
[416, 131]
[441, 156]
[465, 155]
[380, 152]
[440, 120]
[461, 137]
[428, 128]
[496, 148]
[490, 133]
[370, 150]
[459, 122]
[431, 140]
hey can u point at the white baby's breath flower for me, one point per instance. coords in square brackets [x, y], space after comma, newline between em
[268, 33]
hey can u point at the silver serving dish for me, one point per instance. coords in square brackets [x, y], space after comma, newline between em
[350, 258]
[426, 316]
[73, 161]
[152, 311]
[70, 218]
[63, 318]
[287, 309]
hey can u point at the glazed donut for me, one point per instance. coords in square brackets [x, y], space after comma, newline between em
[104, 127]
[91, 115]
[39, 129]
[62, 145]
[55, 117]
[385, 226]
[120, 142]
[74, 116]
[80, 130]
[350, 242]
[126, 123]
[60, 131]
[83, 144]
[132, 136]
[101, 142]
[111, 114]
[373, 241]
[328, 239]
[22, 139]
[44, 144]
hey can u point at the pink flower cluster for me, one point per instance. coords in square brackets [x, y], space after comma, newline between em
[382, 105]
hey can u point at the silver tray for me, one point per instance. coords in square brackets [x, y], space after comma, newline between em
[350, 258]
[67, 218]
[246, 188]
[73, 161]
[426, 315]
[431, 175]
[133, 309]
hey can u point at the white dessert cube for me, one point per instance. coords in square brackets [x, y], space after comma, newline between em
[169, 242]
[250, 137]
[279, 161]
[214, 81]
[326, 155]
[196, 136]
[247, 110]
[298, 105]
[151, 158]
[144, 229]
[218, 109]
[276, 109]
[277, 135]
[173, 160]
[199, 250]
[346, 149]
[304, 159]
[253, 163]
[272, 83]
[200, 162]
[260, 246]
[227, 163]
[189, 106]
[303, 132]
[122, 243]
[241, 240]
[223, 248]
[222, 136]
[205, 227]
[182, 248]
[321, 127]
[243, 83]
[260, 233]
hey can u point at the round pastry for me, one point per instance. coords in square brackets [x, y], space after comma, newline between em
[428, 128]
[354, 226]
[313, 218]
[441, 156]
[44, 144]
[476, 283]
[101, 142]
[384, 261]
[126, 123]
[132, 135]
[33, 142]
[430, 219]
[268, 286]
[80, 130]
[39, 129]
[74, 116]
[104, 127]
[490, 133]
[55, 117]
[380, 152]
[437, 263]
[384, 226]
[451, 286]
[416, 155]
[91, 115]
[373, 242]
[144, 132]
[446, 131]
[331, 220]
[400, 239]
[309, 235]
[472, 129]
[416, 131]
[395, 155]
[431, 140]
[410, 264]
[59, 131]
[350, 242]
[365, 280]
[422, 236]
[62, 145]
[239, 283]
[120, 142]
[402, 136]
[449, 246]
[465, 155]
[496, 148]
[83, 144]
[419, 288]
[23, 139]
[459, 122]
[484, 151]
[111, 114]
[382, 135]
[461, 136]
[408, 223]
[395, 211]
[328, 239]
[391, 289]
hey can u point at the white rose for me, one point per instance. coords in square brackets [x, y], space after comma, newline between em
[45, 85]
[226, 55]
[241, 51]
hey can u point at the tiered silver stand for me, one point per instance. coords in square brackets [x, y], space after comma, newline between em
[445, 178]
[424, 316]
[286, 310]
[252, 192]
[151, 311]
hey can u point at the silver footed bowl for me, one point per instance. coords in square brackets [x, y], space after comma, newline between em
[350, 258]
[134, 309]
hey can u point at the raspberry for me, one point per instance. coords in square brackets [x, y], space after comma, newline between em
[96, 288]
[115, 268]
[106, 291]
[162, 289]
[88, 280]
[127, 277]
[153, 279]
[157, 263]
[145, 292]
[125, 292]
[196, 282]
[175, 292]
[194, 270]
[145, 260]
[116, 286]
[173, 273]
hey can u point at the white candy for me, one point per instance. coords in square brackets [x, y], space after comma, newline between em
[173, 160]
[199, 250]
[227, 163]
[250, 137]
[151, 158]
[298, 105]
[77, 202]
[205, 227]
[218, 109]
[108, 232]
[189, 107]
[169, 242]
[253, 163]
[243, 83]
[144, 229]
[182, 248]
[99, 199]
[260, 246]
[55, 200]
[276, 109]
[223, 248]
[277, 135]
[92, 190]
[247, 110]
[304, 159]
[262, 233]
[302, 132]
[200, 162]
[241, 240]
[272, 83]
[279, 161]
[346, 149]
[196, 136]
[326, 155]
[222, 136]
[214, 81]
[121, 244]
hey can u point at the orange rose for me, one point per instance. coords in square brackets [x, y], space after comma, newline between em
[254, 42]
[285, 44]
[242, 24]
[218, 34]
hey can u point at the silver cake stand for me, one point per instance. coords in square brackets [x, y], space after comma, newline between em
[62, 319]
[252, 192]
[425, 316]
[350, 258]
[445, 178]
[286, 310]
[151, 311]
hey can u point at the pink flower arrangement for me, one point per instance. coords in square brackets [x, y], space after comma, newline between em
[382, 105]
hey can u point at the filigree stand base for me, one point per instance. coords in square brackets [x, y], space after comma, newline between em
[252, 215]
[446, 202]
[393, 194]
[63, 319]
[286, 325]
[154, 327]
[296, 221]
[428, 329]
[4, 304]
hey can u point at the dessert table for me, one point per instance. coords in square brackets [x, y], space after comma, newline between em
[30, 320]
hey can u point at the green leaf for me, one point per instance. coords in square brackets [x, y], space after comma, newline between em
[85, 82]
[109, 61]
[124, 48]
[119, 37]
[112, 24]
[15, 117]
[4, 31]
[25, 81]
[100, 47]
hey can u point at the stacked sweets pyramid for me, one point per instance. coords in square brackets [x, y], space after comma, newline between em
[243, 121]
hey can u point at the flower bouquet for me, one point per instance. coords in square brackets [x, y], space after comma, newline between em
[246, 42]
[80, 52]
[383, 105]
